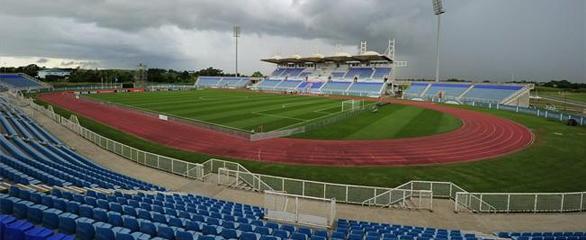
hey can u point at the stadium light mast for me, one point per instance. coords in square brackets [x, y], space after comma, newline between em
[438, 10]
[236, 36]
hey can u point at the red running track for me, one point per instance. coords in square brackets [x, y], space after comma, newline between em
[481, 136]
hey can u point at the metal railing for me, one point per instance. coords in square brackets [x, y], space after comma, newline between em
[520, 202]
[539, 112]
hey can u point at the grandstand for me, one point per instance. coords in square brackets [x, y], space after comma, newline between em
[221, 82]
[508, 94]
[19, 81]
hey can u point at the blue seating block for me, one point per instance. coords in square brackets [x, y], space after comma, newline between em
[103, 231]
[15, 230]
[4, 221]
[38, 233]
[61, 236]
[133, 236]
[130, 223]
[67, 223]
[84, 228]
[51, 218]
[165, 232]
[147, 227]
[185, 235]
[20, 209]
[35, 213]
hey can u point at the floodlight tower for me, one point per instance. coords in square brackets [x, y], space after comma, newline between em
[438, 10]
[236, 36]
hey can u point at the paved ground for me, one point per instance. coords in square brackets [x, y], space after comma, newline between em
[442, 216]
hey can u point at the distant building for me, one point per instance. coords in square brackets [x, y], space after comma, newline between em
[53, 72]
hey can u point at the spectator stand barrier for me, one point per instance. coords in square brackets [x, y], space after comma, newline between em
[539, 112]
[312, 211]
[520, 202]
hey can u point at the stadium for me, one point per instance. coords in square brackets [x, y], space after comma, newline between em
[329, 146]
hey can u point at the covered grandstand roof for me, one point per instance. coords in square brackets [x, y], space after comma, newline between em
[369, 56]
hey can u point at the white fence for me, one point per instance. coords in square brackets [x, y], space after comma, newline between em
[414, 194]
[320, 212]
[543, 113]
[343, 193]
[520, 202]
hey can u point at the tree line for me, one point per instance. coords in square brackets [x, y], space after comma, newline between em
[158, 75]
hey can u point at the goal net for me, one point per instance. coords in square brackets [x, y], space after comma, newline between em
[299, 209]
[352, 105]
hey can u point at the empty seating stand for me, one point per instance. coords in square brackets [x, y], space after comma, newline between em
[207, 82]
[543, 235]
[167, 216]
[490, 93]
[291, 72]
[288, 85]
[371, 89]
[381, 72]
[415, 90]
[359, 72]
[448, 90]
[468, 92]
[19, 81]
[233, 82]
[335, 87]
[267, 84]
[38, 157]
[361, 230]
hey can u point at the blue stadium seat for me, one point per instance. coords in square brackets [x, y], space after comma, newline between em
[248, 236]
[38, 233]
[16, 230]
[84, 228]
[61, 236]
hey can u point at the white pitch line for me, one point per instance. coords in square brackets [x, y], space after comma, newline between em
[279, 116]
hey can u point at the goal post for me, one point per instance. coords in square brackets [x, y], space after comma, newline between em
[298, 209]
[352, 105]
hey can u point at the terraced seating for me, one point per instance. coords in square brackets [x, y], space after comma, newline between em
[361, 230]
[449, 90]
[338, 75]
[360, 72]
[288, 85]
[267, 84]
[16, 123]
[312, 87]
[168, 216]
[233, 82]
[278, 72]
[205, 81]
[292, 72]
[490, 93]
[543, 235]
[415, 90]
[335, 87]
[20, 229]
[47, 161]
[366, 89]
[19, 81]
[381, 72]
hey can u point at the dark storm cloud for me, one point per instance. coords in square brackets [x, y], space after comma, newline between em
[531, 39]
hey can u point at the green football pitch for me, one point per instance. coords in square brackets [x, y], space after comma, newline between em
[252, 111]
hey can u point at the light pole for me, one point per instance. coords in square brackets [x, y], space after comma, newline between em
[236, 36]
[438, 10]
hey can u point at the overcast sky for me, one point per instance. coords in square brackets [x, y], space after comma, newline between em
[481, 39]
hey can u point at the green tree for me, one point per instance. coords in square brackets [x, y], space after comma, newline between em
[257, 74]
